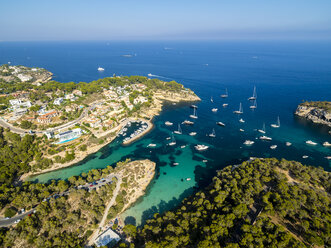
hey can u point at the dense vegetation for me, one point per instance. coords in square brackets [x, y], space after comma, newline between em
[318, 104]
[264, 203]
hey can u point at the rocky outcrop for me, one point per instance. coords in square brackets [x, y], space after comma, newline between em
[314, 113]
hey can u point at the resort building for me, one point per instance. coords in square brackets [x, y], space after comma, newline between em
[58, 101]
[17, 103]
[47, 117]
[93, 122]
[108, 237]
[69, 135]
[24, 78]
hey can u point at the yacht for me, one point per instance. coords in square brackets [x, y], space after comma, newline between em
[214, 110]
[276, 125]
[225, 105]
[168, 138]
[263, 129]
[248, 142]
[254, 106]
[240, 111]
[187, 122]
[179, 131]
[309, 142]
[226, 94]
[192, 133]
[194, 116]
[100, 69]
[213, 134]
[252, 98]
[241, 120]
[328, 157]
[188, 179]
[288, 143]
[175, 163]
[265, 138]
[205, 160]
[241, 130]
[151, 145]
[150, 74]
[327, 144]
[173, 141]
[201, 147]
[168, 123]
[183, 146]
[273, 147]
[305, 156]
[220, 124]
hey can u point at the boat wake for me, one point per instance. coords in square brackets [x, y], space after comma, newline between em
[158, 76]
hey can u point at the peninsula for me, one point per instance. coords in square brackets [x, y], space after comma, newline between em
[72, 120]
[317, 112]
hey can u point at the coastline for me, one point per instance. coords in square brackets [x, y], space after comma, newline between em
[149, 114]
[314, 114]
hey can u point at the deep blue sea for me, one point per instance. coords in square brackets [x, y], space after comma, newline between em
[284, 73]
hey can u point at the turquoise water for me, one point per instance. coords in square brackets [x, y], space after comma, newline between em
[285, 73]
[65, 141]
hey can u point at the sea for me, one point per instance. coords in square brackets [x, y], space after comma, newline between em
[285, 73]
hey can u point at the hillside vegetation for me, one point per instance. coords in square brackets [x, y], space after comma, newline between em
[262, 203]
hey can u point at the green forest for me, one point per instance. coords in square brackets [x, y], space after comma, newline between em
[263, 203]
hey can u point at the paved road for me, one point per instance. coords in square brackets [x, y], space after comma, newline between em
[18, 130]
[11, 221]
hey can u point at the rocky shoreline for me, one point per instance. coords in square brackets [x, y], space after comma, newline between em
[313, 112]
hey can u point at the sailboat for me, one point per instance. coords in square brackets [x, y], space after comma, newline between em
[254, 106]
[226, 94]
[179, 131]
[173, 141]
[276, 125]
[211, 99]
[240, 111]
[254, 95]
[194, 116]
[263, 129]
[213, 134]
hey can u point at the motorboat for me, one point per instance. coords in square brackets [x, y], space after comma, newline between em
[327, 144]
[100, 69]
[150, 74]
[188, 179]
[151, 145]
[248, 142]
[241, 120]
[175, 163]
[225, 105]
[214, 110]
[273, 147]
[168, 123]
[288, 143]
[265, 138]
[183, 146]
[192, 133]
[305, 156]
[220, 124]
[201, 147]
[187, 122]
[241, 130]
[309, 142]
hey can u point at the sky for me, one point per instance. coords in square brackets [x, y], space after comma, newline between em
[28, 20]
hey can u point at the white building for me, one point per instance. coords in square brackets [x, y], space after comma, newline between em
[58, 101]
[24, 78]
[17, 103]
[108, 237]
[139, 99]
[69, 135]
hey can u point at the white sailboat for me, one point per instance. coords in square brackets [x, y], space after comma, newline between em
[226, 94]
[240, 111]
[263, 129]
[254, 95]
[179, 131]
[213, 134]
[168, 123]
[254, 106]
[276, 125]
[194, 116]
[173, 141]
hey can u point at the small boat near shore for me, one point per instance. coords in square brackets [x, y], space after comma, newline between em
[168, 123]
[187, 122]
[192, 133]
[327, 144]
[265, 138]
[220, 124]
[309, 142]
[305, 156]
[150, 74]
[248, 142]
[151, 145]
[201, 147]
